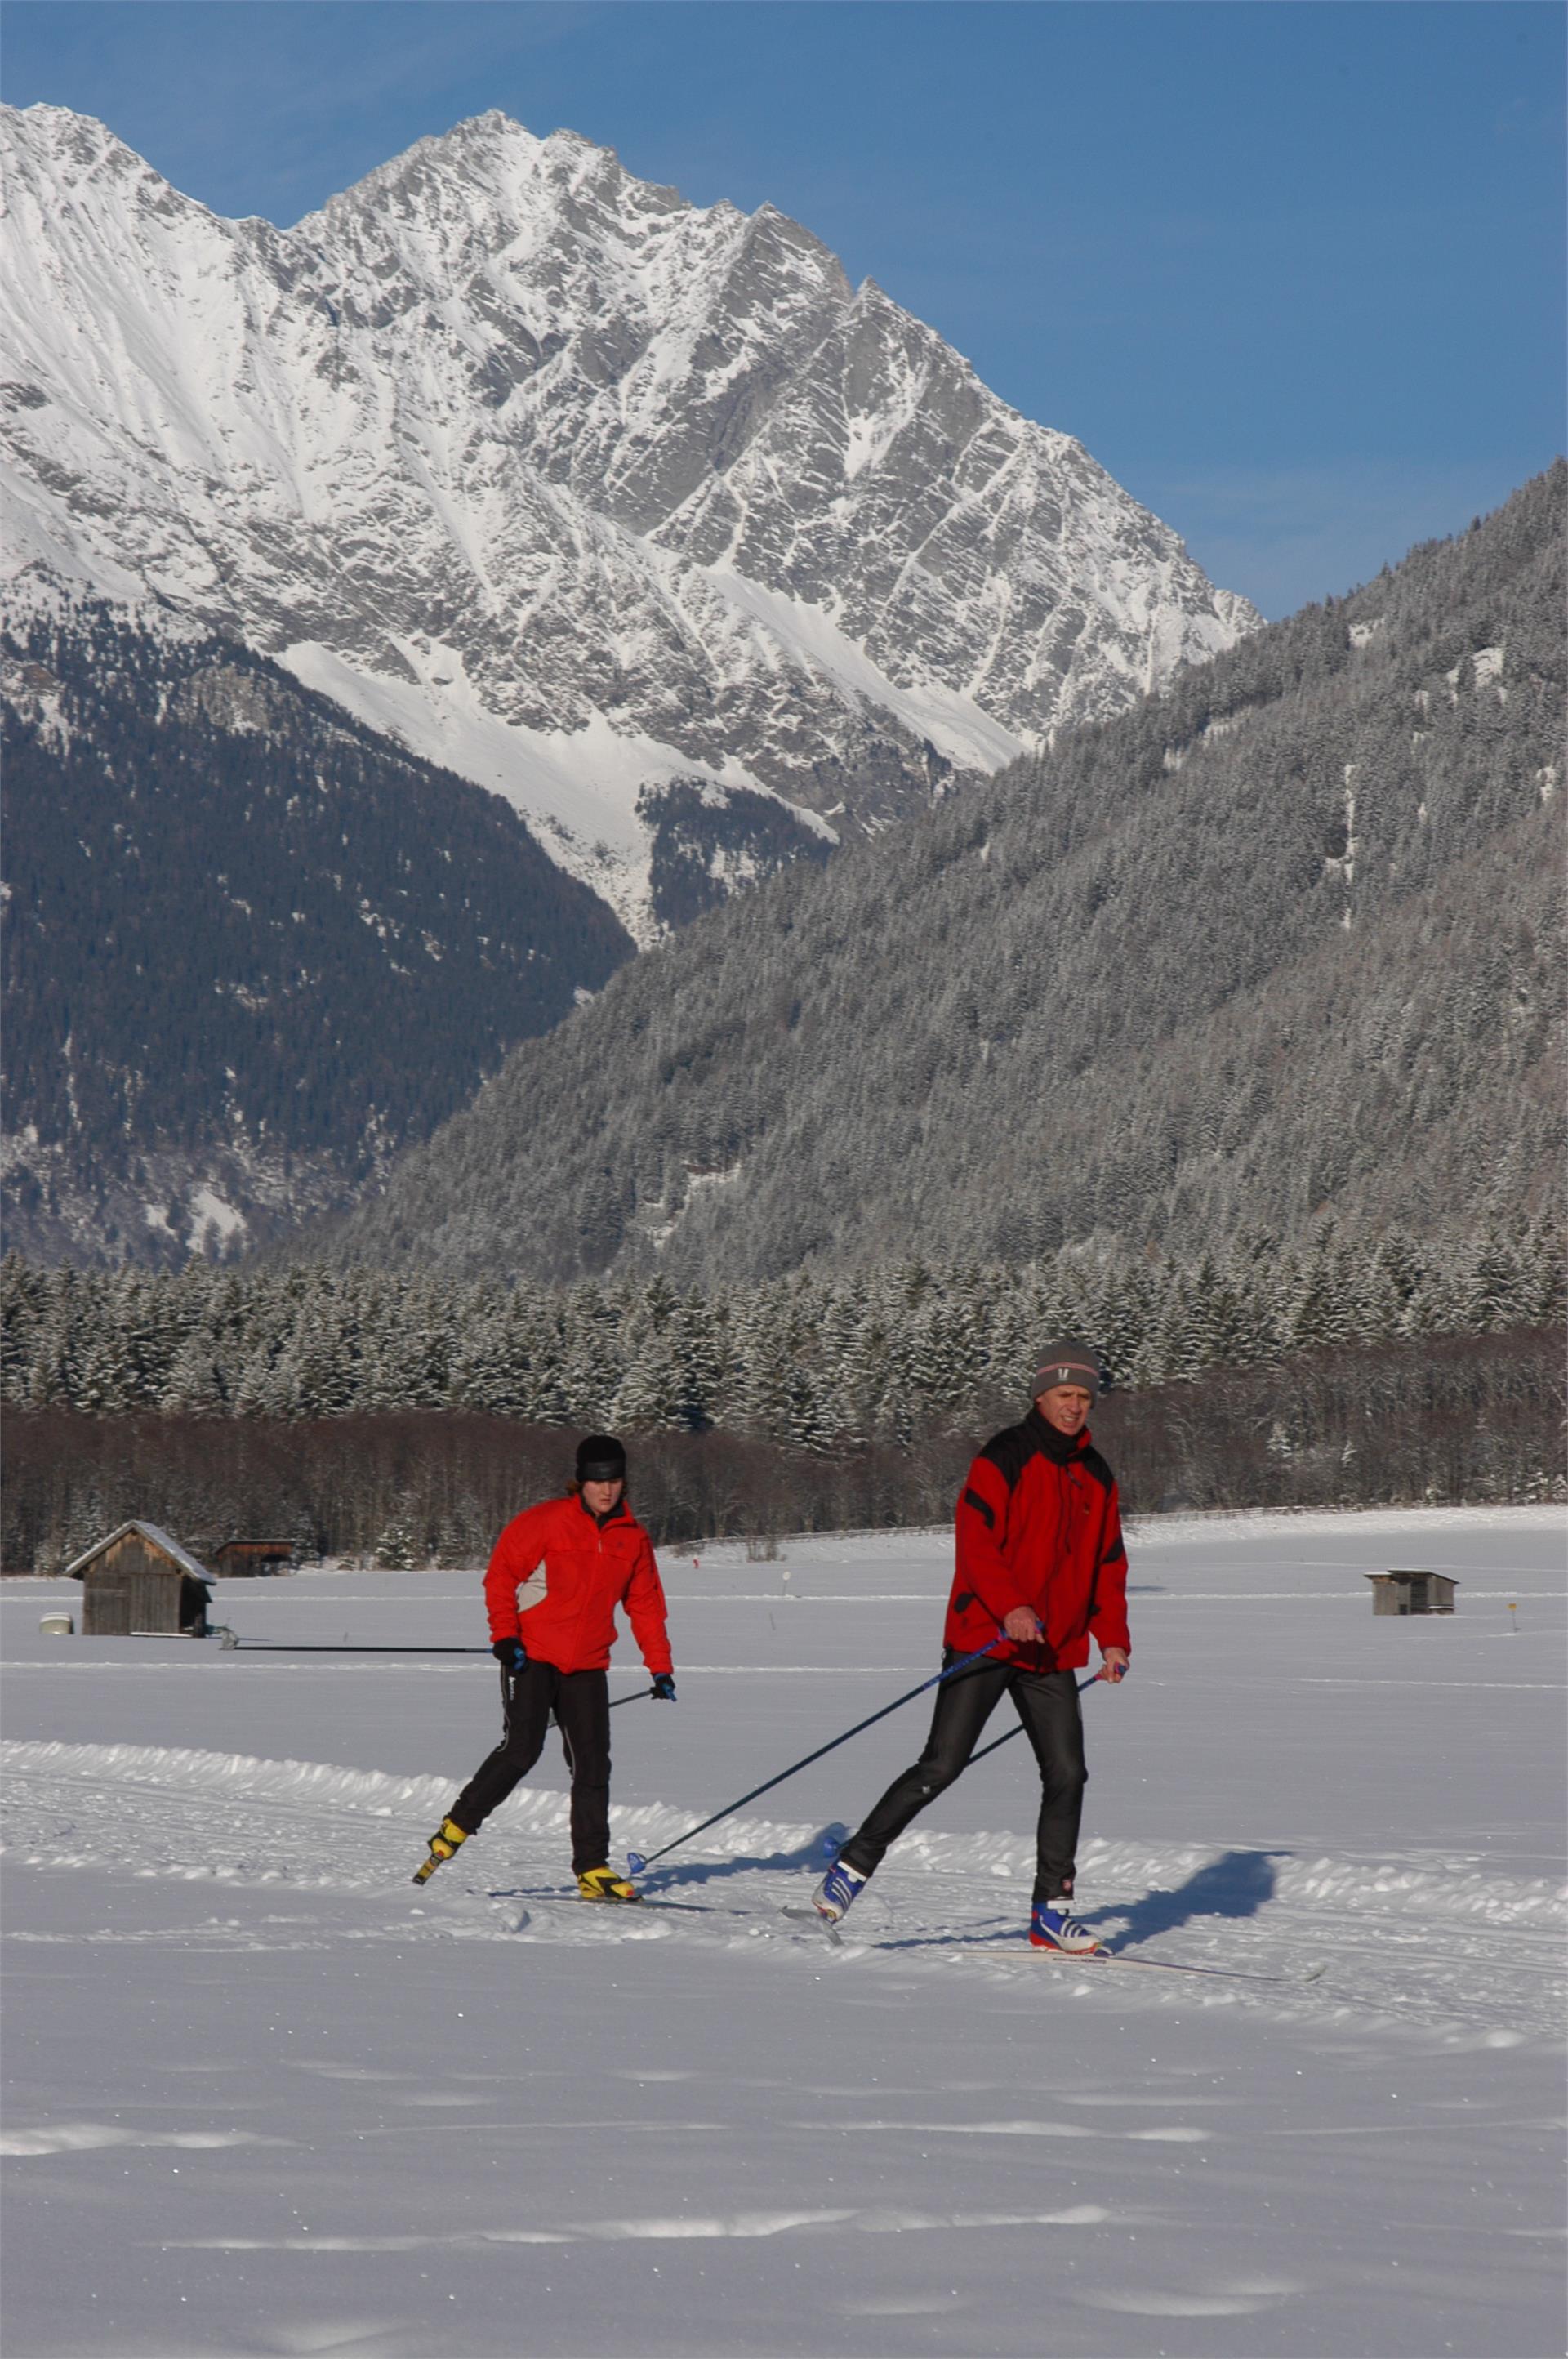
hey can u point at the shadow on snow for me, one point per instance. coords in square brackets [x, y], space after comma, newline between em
[1237, 1883]
[816, 1853]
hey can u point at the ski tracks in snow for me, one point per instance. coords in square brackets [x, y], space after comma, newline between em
[1438, 1940]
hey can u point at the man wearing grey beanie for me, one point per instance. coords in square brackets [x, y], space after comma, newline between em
[1041, 1571]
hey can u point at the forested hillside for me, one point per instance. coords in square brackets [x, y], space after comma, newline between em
[1285, 941]
[252, 949]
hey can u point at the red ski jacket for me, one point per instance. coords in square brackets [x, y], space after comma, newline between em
[1037, 1524]
[557, 1577]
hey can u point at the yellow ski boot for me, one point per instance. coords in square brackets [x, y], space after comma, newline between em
[603, 1883]
[442, 1845]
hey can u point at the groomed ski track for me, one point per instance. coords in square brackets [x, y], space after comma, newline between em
[1451, 1943]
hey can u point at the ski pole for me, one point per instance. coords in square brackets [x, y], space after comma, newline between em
[281, 1647]
[637, 1864]
[997, 1742]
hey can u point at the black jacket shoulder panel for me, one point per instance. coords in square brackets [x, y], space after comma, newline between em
[1010, 1451]
[1093, 1464]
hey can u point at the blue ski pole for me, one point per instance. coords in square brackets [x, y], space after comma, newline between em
[637, 1864]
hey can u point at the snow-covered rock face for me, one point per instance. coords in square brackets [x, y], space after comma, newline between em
[581, 489]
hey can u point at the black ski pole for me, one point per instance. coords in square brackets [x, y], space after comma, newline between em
[637, 1864]
[997, 1741]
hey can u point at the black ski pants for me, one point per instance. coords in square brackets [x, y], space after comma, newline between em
[1048, 1704]
[581, 1701]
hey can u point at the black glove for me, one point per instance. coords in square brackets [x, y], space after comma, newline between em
[664, 1687]
[512, 1655]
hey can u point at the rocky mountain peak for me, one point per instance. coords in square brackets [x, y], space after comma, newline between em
[587, 492]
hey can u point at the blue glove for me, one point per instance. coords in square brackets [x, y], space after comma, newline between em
[512, 1655]
[664, 1687]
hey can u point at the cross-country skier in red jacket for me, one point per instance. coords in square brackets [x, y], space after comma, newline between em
[1041, 1571]
[557, 1574]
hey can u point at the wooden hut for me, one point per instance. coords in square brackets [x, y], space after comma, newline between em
[139, 1580]
[1411, 1592]
[234, 1559]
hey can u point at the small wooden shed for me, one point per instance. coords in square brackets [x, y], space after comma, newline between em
[1411, 1592]
[138, 1578]
[234, 1559]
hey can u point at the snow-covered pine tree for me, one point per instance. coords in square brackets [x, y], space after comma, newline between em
[651, 1393]
[594, 1363]
[194, 1387]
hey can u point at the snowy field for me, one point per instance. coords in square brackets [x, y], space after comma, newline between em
[264, 2097]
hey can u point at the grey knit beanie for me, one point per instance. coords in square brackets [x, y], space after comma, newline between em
[1070, 1361]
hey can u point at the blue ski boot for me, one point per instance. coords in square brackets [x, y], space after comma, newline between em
[837, 1892]
[1051, 1927]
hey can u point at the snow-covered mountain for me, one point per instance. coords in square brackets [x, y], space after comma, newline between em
[1286, 942]
[629, 509]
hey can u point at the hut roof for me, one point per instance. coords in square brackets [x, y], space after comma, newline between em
[159, 1539]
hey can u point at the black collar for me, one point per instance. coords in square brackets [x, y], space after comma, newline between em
[1059, 1447]
[610, 1514]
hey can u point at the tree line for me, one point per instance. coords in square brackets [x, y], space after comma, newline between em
[1419, 1420]
[879, 1358]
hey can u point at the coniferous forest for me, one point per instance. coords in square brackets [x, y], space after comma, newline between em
[248, 942]
[386, 1415]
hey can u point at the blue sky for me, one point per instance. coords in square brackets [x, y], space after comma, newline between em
[1293, 271]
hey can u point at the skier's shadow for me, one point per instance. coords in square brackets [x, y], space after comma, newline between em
[816, 1853]
[1010, 1933]
[1237, 1883]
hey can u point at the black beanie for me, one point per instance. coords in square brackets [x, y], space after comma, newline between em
[600, 1458]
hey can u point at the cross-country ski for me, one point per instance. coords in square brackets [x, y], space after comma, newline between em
[864, 1940]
